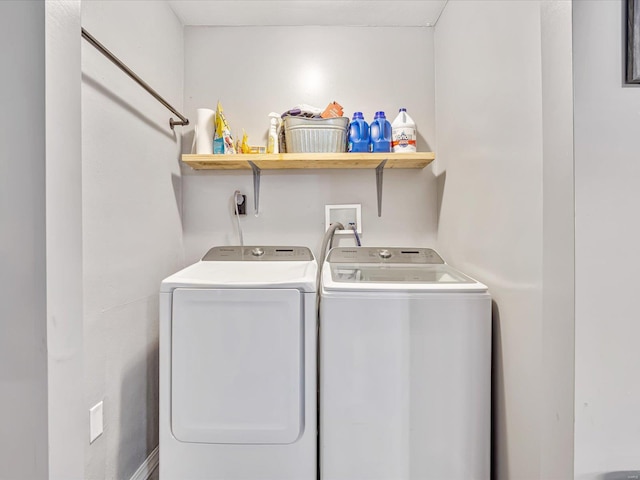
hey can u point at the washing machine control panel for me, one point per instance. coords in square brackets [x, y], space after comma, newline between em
[258, 254]
[422, 256]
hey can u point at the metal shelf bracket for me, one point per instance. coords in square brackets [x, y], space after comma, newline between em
[256, 186]
[379, 172]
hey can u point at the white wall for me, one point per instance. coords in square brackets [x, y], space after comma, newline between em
[132, 235]
[607, 170]
[23, 358]
[496, 74]
[44, 424]
[67, 419]
[558, 242]
[256, 70]
[489, 120]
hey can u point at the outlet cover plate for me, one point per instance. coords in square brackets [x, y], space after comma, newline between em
[344, 214]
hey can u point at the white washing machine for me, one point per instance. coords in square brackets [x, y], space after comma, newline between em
[238, 366]
[405, 368]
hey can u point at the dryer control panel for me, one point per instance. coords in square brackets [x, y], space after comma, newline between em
[258, 254]
[420, 256]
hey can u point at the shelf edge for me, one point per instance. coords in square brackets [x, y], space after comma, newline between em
[309, 161]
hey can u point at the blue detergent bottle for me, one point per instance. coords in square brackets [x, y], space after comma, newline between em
[380, 133]
[358, 134]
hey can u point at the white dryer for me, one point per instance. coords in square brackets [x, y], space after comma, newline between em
[405, 368]
[238, 366]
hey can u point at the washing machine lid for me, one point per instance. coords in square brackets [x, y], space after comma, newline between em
[393, 269]
[251, 267]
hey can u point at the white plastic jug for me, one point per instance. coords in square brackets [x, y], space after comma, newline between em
[403, 133]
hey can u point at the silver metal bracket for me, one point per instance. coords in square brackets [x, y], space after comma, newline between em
[173, 123]
[379, 172]
[256, 186]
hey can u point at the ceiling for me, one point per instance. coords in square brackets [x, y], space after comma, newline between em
[410, 13]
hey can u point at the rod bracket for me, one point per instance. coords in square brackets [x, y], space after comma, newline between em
[173, 123]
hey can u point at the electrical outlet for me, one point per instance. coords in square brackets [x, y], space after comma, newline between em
[242, 204]
[96, 425]
[345, 214]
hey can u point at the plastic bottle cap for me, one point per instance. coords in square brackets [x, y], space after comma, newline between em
[379, 115]
[402, 110]
[358, 116]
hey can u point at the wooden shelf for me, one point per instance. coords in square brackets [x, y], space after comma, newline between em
[309, 160]
[283, 161]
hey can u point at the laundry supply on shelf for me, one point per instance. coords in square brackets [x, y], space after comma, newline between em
[203, 131]
[403, 133]
[223, 140]
[309, 129]
[334, 109]
[244, 146]
[358, 134]
[273, 142]
[380, 133]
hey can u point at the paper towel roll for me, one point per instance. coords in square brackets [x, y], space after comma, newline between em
[204, 131]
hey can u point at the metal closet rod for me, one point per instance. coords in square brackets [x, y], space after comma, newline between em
[102, 49]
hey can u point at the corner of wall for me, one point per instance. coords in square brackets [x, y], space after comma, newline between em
[67, 419]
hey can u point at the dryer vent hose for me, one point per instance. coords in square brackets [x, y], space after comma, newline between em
[327, 243]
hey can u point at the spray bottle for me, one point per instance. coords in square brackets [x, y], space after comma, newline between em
[272, 142]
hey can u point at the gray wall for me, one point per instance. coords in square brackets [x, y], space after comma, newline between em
[503, 121]
[316, 67]
[23, 359]
[558, 242]
[489, 126]
[67, 419]
[607, 145]
[132, 231]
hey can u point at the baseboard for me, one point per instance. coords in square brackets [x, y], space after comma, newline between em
[148, 466]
